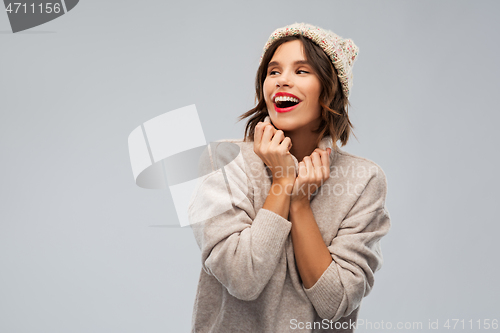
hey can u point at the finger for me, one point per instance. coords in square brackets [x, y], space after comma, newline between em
[325, 163]
[302, 169]
[267, 135]
[317, 165]
[309, 167]
[323, 167]
[287, 143]
[257, 136]
[277, 139]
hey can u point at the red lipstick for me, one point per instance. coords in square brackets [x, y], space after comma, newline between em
[288, 109]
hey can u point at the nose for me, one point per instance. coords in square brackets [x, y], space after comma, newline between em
[284, 80]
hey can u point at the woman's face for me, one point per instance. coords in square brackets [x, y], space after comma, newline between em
[290, 79]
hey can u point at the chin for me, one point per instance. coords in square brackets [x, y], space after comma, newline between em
[285, 123]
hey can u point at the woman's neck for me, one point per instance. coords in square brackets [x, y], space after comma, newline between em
[303, 143]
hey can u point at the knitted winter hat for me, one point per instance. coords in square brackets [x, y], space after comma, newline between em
[342, 52]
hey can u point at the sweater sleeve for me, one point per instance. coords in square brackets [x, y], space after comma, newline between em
[356, 254]
[240, 247]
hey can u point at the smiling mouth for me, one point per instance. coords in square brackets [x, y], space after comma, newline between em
[285, 103]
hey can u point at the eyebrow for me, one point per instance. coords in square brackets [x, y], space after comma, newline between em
[298, 62]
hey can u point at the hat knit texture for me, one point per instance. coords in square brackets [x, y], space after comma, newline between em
[342, 52]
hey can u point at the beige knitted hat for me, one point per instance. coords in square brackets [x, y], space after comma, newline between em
[342, 52]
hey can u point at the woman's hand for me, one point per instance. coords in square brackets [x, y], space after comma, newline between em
[314, 170]
[273, 148]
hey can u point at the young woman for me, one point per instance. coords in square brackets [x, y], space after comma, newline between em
[291, 236]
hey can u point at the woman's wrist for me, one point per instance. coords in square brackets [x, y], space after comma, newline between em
[298, 204]
[283, 185]
[278, 198]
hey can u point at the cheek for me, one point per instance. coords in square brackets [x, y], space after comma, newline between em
[266, 87]
[316, 90]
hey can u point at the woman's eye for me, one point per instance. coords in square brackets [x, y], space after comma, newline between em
[273, 72]
[303, 71]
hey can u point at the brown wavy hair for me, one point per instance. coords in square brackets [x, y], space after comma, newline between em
[334, 104]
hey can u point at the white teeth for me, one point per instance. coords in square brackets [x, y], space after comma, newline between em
[285, 98]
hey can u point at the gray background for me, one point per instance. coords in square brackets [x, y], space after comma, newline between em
[83, 249]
